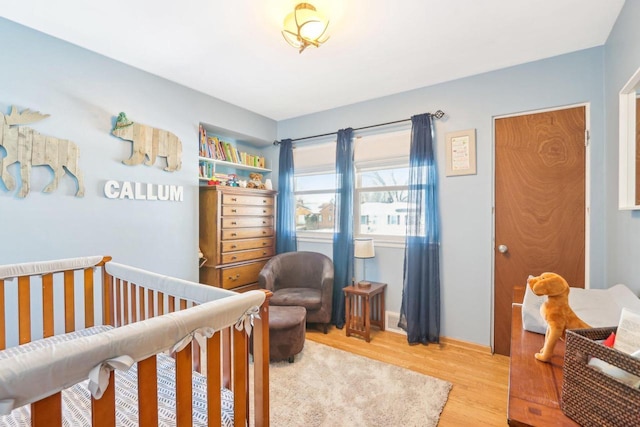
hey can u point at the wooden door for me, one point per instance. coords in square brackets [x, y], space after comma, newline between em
[539, 205]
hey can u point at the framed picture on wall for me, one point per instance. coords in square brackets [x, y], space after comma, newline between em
[461, 153]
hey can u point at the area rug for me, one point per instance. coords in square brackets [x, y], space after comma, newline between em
[330, 387]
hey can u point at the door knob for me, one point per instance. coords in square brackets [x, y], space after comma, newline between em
[503, 249]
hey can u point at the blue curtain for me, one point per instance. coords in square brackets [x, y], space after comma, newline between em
[343, 230]
[420, 310]
[286, 213]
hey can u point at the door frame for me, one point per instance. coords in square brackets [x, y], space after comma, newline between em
[587, 197]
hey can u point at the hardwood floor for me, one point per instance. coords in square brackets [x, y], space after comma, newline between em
[479, 393]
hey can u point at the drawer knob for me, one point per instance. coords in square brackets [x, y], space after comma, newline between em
[234, 234]
[233, 246]
[234, 210]
[234, 278]
[264, 211]
[264, 232]
[234, 257]
[264, 253]
[264, 243]
[233, 199]
[234, 223]
[264, 222]
[264, 201]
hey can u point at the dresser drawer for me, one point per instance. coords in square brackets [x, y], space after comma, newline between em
[232, 277]
[246, 233]
[234, 199]
[247, 255]
[247, 210]
[241, 245]
[231, 222]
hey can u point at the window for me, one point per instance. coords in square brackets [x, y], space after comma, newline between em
[380, 196]
[382, 200]
[315, 188]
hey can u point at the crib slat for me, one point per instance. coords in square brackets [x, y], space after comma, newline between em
[103, 410]
[47, 412]
[125, 298]
[261, 366]
[149, 303]
[141, 304]
[183, 387]
[47, 305]
[118, 304]
[148, 392]
[240, 397]
[160, 311]
[214, 380]
[69, 309]
[226, 357]
[3, 320]
[134, 303]
[24, 309]
[107, 302]
[88, 298]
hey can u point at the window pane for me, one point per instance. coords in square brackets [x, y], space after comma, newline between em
[384, 177]
[315, 182]
[315, 212]
[383, 212]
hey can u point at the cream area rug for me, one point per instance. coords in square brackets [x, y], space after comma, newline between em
[330, 387]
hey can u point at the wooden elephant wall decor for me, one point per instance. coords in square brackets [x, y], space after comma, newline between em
[149, 143]
[31, 148]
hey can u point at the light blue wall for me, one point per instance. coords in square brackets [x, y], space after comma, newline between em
[622, 59]
[466, 201]
[83, 92]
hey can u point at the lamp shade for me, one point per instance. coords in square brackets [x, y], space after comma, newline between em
[363, 248]
[304, 27]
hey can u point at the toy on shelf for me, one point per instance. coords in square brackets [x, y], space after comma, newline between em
[255, 181]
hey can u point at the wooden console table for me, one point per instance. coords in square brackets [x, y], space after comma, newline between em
[364, 307]
[535, 388]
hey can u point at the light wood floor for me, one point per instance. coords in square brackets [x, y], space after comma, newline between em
[479, 393]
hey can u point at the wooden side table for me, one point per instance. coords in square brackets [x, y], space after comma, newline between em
[364, 307]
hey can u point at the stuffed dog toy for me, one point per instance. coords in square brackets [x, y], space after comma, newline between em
[556, 311]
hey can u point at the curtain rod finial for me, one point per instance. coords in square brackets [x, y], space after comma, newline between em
[276, 142]
[438, 114]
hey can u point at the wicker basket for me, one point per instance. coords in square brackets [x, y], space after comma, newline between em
[590, 397]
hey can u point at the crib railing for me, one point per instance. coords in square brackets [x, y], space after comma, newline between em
[126, 296]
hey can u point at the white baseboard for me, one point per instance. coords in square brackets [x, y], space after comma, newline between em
[391, 322]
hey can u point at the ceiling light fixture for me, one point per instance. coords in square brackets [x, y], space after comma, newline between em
[305, 27]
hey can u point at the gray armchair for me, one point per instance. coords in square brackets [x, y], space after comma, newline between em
[302, 279]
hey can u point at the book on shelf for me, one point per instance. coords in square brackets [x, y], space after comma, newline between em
[213, 147]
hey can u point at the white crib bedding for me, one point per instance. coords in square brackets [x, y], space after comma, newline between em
[76, 400]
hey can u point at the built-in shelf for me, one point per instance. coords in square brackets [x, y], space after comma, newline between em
[231, 165]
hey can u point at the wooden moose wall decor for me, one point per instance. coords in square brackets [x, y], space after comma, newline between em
[30, 148]
[149, 143]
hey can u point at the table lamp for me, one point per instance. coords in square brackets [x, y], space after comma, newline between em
[363, 248]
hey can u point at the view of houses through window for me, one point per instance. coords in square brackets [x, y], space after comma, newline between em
[381, 186]
[380, 195]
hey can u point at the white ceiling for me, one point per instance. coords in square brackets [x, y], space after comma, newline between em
[233, 49]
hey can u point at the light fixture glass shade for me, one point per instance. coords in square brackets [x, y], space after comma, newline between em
[304, 27]
[363, 248]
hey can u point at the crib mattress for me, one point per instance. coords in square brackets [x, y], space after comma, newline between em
[76, 400]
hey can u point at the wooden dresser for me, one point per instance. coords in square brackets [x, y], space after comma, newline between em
[237, 235]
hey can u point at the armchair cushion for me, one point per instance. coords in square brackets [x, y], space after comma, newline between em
[309, 298]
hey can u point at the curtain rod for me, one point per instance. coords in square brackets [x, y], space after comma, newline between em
[438, 115]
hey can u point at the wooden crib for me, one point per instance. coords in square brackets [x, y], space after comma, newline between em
[50, 312]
